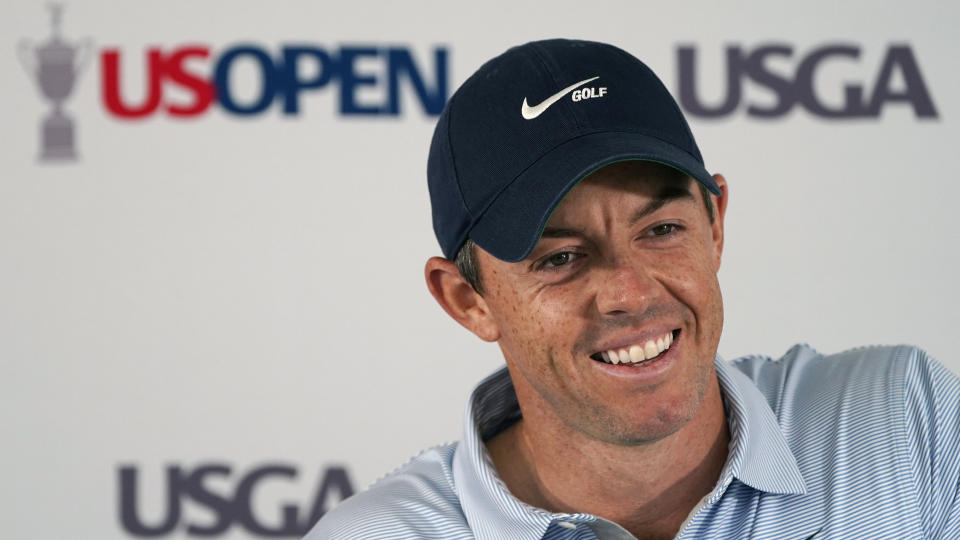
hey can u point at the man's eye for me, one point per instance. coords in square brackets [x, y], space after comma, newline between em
[558, 259]
[665, 229]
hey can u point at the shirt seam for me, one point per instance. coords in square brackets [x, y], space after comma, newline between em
[905, 365]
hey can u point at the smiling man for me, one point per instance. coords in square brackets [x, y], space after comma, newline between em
[609, 329]
[583, 234]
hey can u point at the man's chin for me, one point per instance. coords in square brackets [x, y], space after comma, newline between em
[628, 430]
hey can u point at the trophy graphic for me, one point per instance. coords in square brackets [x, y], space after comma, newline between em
[55, 65]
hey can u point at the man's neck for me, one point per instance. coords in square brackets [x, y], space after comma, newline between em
[647, 489]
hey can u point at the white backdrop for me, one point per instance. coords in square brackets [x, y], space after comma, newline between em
[247, 290]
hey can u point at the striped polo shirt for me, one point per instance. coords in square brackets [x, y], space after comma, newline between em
[863, 444]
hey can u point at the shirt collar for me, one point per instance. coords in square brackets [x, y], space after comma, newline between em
[759, 456]
[491, 510]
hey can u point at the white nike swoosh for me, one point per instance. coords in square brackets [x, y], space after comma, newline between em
[529, 113]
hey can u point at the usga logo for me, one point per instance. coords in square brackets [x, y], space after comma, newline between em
[203, 486]
[865, 99]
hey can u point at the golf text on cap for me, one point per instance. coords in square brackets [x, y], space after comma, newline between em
[529, 113]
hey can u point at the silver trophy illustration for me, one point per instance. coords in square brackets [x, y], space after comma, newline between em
[55, 65]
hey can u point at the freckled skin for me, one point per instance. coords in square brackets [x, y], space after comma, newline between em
[623, 278]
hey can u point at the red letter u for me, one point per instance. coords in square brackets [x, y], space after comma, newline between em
[110, 60]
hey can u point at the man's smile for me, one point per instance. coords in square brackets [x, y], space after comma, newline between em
[639, 353]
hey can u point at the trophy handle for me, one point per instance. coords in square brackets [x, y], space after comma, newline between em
[85, 48]
[27, 57]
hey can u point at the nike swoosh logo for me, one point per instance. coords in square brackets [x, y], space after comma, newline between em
[529, 113]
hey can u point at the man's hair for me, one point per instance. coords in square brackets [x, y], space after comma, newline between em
[469, 267]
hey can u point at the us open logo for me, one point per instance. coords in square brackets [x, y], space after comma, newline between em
[364, 80]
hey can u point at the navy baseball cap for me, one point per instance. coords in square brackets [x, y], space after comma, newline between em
[530, 124]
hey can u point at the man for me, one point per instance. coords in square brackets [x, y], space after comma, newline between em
[582, 233]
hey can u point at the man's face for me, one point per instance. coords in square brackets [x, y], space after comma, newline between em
[628, 258]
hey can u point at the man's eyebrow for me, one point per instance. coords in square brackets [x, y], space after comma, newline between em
[666, 195]
[556, 232]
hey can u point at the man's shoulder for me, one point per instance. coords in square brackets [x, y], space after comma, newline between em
[892, 388]
[805, 386]
[416, 500]
[878, 424]
[803, 367]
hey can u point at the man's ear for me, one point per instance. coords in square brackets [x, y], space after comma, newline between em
[720, 207]
[458, 298]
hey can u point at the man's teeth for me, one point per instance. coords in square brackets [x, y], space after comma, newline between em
[639, 352]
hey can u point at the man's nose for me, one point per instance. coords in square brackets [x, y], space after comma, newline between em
[627, 288]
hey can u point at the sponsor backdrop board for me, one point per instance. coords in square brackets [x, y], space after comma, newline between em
[214, 219]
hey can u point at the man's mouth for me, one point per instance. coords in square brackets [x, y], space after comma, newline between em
[637, 354]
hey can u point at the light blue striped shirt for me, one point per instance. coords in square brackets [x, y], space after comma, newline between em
[863, 444]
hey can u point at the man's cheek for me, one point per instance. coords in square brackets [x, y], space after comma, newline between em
[693, 290]
[695, 266]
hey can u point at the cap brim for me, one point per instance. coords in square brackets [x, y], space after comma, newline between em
[511, 225]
